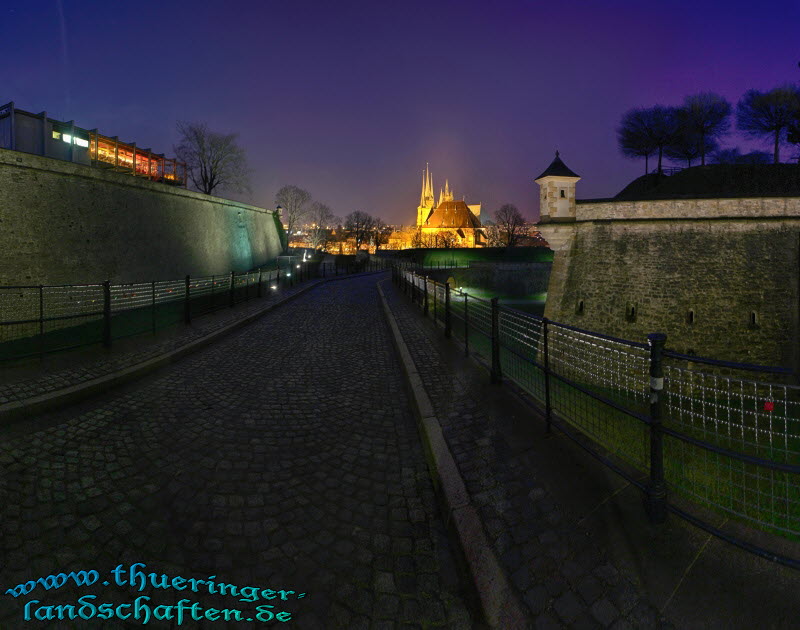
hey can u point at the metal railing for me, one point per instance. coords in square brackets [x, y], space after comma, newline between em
[35, 320]
[711, 437]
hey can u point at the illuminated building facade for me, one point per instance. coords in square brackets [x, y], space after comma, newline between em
[451, 222]
[38, 134]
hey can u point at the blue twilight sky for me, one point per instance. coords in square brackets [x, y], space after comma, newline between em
[350, 99]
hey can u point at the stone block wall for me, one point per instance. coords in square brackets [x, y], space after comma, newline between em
[699, 281]
[66, 223]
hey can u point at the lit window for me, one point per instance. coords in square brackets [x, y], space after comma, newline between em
[57, 135]
[74, 140]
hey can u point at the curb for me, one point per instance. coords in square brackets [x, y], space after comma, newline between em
[20, 409]
[499, 604]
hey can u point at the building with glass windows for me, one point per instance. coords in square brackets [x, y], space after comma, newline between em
[38, 134]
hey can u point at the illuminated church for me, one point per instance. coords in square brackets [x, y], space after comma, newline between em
[450, 223]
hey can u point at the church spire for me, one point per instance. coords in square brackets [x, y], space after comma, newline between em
[422, 193]
[448, 194]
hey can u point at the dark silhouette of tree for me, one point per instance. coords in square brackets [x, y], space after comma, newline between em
[214, 160]
[510, 224]
[706, 116]
[634, 138]
[651, 129]
[359, 225]
[293, 202]
[689, 145]
[768, 114]
[734, 156]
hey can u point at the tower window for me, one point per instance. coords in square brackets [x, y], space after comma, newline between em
[562, 194]
[690, 317]
[579, 307]
[753, 319]
[630, 312]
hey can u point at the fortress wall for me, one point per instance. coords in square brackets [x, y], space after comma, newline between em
[743, 207]
[720, 269]
[68, 223]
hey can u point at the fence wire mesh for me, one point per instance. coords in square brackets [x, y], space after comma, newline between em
[36, 320]
[732, 444]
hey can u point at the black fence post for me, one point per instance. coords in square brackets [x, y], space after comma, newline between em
[656, 499]
[107, 314]
[153, 309]
[466, 326]
[448, 324]
[232, 285]
[547, 406]
[41, 320]
[425, 298]
[187, 304]
[435, 297]
[259, 293]
[497, 372]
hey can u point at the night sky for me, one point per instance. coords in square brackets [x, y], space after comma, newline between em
[350, 100]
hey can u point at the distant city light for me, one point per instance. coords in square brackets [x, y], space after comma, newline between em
[274, 287]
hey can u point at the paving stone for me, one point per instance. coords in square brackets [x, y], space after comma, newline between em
[568, 606]
[604, 611]
[223, 464]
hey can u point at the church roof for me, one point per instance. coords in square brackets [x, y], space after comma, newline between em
[558, 168]
[452, 214]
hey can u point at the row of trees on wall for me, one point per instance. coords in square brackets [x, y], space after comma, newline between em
[693, 130]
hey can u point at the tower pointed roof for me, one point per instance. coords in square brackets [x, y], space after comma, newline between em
[558, 168]
[422, 193]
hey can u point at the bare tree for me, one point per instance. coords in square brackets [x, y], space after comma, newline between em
[359, 225]
[768, 114]
[634, 137]
[294, 206]
[706, 116]
[214, 160]
[321, 219]
[380, 233]
[644, 132]
[493, 236]
[689, 145]
[510, 223]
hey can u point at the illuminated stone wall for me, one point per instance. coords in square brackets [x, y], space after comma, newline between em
[698, 270]
[68, 223]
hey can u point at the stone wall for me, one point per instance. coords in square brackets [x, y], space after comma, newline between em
[698, 278]
[67, 223]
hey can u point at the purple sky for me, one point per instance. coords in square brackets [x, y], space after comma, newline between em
[350, 100]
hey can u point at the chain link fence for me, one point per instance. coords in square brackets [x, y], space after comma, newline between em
[686, 430]
[35, 320]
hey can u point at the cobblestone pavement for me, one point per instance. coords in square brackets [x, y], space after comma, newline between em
[284, 456]
[63, 370]
[563, 579]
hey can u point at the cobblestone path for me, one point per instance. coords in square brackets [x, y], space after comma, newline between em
[562, 577]
[283, 457]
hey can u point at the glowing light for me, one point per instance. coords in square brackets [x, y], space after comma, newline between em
[298, 266]
[274, 287]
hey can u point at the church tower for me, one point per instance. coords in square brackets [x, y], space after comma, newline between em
[426, 199]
